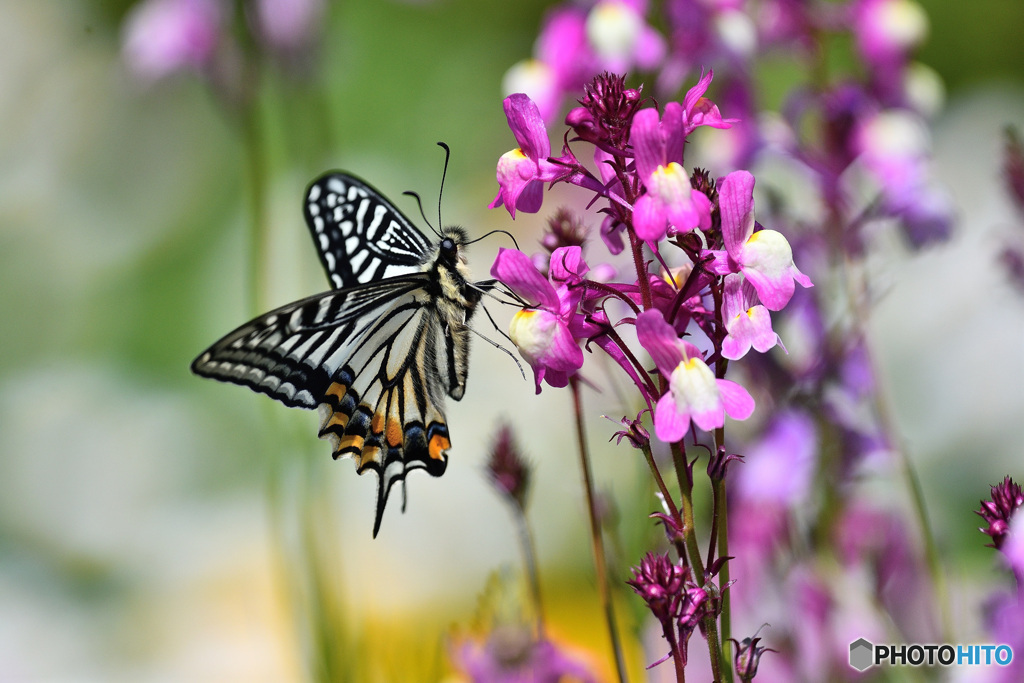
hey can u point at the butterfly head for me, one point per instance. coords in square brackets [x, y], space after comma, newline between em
[451, 248]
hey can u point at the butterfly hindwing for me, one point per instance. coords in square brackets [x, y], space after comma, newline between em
[388, 413]
[360, 236]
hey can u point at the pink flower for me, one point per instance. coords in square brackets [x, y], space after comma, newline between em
[289, 25]
[699, 110]
[562, 61]
[747, 322]
[523, 171]
[764, 257]
[887, 30]
[670, 198]
[165, 36]
[511, 655]
[621, 37]
[694, 393]
[779, 469]
[541, 332]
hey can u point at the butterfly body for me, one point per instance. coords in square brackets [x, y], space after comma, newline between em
[377, 354]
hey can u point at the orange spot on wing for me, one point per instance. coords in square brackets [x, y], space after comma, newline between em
[337, 419]
[394, 434]
[438, 444]
[370, 454]
[337, 390]
[352, 441]
[377, 423]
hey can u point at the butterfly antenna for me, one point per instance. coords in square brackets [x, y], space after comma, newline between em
[506, 232]
[419, 203]
[444, 173]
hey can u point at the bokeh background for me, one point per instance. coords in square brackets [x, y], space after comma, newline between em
[154, 526]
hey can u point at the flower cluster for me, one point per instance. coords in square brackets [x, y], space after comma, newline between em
[674, 599]
[705, 281]
[729, 272]
[842, 160]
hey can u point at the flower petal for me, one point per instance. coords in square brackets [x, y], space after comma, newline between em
[670, 422]
[515, 172]
[527, 125]
[567, 265]
[672, 132]
[762, 336]
[768, 264]
[736, 205]
[649, 219]
[645, 137]
[660, 340]
[694, 94]
[515, 269]
[693, 385]
[738, 402]
[564, 354]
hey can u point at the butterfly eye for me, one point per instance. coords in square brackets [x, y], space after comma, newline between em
[448, 245]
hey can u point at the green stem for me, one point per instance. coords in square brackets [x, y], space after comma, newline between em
[931, 549]
[596, 539]
[696, 564]
[656, 473]
[721, 512]
[530, 559]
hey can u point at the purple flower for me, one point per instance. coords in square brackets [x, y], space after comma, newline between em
[673, 598]
[541, 333]
[748, 657]
[604, 116]
[779, 468]
[747, 322]
[764, 257]
[507, 469]
[660, 583]
[670, 197]
[694, 392]
[162, 37]
[289, 25]
[1004, 620]
[887, 30]
[562, 61]
[699, 110]
[511, 655]
[523, 171]
[1007, 497]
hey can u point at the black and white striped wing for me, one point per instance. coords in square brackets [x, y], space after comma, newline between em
[374, 358]
[360, 236]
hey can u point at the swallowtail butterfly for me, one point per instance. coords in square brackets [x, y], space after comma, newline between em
[379, 352]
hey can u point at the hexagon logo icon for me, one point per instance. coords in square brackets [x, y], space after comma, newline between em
[861, 654]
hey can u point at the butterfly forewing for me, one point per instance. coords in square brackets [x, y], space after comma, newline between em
[360, 235]
[291, 353]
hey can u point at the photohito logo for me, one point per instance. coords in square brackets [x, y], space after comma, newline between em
[864, 654]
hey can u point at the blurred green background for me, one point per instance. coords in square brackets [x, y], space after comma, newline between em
[154, 526]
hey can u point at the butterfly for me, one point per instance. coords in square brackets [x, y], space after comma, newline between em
[378, 353]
